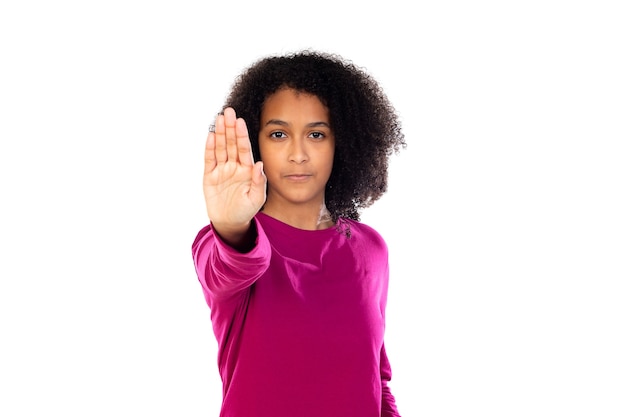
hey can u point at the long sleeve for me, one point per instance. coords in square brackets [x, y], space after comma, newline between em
[388, 404]
[222, 270]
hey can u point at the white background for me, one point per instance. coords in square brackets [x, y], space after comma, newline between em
[504, 217]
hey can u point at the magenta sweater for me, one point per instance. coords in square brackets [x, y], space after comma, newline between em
[299, 321]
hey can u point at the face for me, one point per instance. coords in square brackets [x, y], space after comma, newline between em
[297, 147]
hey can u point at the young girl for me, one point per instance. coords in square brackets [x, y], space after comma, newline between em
[296, 285]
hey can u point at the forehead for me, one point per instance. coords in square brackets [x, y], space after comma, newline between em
[290, 102]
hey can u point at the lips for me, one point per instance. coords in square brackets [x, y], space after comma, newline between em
[298, 176]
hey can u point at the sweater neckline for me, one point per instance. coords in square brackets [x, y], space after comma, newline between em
[287, 227]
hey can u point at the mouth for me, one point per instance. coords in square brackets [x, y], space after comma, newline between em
[298, 177]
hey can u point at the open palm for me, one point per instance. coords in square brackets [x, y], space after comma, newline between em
[234, 185]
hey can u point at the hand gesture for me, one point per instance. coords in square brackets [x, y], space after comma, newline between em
[234, 185]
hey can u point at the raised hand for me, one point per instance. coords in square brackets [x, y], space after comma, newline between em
[234, 185]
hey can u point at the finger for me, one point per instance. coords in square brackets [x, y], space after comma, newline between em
[244, 147]
[209, 153]
[230, 120]
[220, 139]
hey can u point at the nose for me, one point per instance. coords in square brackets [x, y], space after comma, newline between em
[298, 152]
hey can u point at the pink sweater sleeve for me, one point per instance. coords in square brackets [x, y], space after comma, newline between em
[388, 405]
[222, 270]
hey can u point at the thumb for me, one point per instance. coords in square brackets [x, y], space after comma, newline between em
[258, 186]
[258, 175]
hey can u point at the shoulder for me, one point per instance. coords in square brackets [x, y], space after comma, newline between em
[363, 234]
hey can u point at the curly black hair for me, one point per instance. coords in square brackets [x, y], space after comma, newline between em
[366, 126]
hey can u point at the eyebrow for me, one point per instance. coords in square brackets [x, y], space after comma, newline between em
[283, 123]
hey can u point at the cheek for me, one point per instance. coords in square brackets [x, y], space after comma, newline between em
[265, 154]
[260, 147]
[330, 157]
[269, 161]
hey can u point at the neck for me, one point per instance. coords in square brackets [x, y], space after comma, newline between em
[303, 218]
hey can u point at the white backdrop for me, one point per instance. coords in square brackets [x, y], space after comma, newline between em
[504, 216]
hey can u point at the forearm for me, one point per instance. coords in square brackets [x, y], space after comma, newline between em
[388, 404]
[242, 237]
[222, 269]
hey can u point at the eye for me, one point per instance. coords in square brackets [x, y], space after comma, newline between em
[278, 135]
[317, 135]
